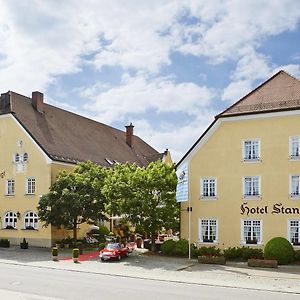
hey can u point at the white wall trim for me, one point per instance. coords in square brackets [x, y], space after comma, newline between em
[48, 160]
[220, 120]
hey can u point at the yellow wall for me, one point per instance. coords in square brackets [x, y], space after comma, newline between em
[10, 134]
[222, 157]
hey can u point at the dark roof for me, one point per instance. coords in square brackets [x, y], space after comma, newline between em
[280, 92]
[69, 137]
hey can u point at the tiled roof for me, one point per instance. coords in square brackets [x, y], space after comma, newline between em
[69, 137]
[280, 92]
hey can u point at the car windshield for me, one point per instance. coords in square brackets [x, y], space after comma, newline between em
[112, 246]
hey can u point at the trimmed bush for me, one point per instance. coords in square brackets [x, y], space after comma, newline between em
[280, 249]
[168, 247]
[181, 247]
[103, 232]
[4, 243]
[102, 246]
[233, 253]
[75, 253]
[252, 253]
[54, 251]
[297, 255]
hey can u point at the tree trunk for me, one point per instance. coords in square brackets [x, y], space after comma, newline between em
[75, 230]
[153, 248]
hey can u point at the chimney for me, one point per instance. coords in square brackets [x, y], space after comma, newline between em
[129, 134]
[38, 101]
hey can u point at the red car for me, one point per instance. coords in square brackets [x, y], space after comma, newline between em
[113, 251]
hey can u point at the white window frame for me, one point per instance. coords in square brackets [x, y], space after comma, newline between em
[201, 240]
[252, 196]
[12, 219]
[289, 231]
[243, 237]
[9, 191]
[210, 180]
[30, 191]
[296, 195]
[294, 156]
[251, 159]
[31, 219]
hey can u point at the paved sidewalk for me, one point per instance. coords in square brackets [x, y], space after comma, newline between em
[239, 275]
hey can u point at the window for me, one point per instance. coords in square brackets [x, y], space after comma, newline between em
[295, 186]
[293, 229]
[208, 187]
[295, 147]
[31, 220]
[17, 158]
[25, 157]
[208, 230]
[10, 220]
[10, 187]
[30, 185]
[251, 186]
[251, 231]
[251, 150]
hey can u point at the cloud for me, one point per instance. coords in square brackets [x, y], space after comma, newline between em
[138, 94]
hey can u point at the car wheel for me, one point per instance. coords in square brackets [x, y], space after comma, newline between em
[119, 257]
[102, 259]
[127, 254]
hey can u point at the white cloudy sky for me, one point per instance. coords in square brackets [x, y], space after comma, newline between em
[166, 66]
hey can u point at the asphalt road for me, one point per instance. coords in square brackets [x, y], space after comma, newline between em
[32, 283]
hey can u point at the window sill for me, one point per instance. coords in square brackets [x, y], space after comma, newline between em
[28, 194]
[295, 197]
[208, 243]
[258, 197]
[251, 245]
[29, 229]
[208, 198]
[9, 229]
[294, 157]
[252, 160]
[9, 195]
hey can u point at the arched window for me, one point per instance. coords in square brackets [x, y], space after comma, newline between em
[10, 220]
[31, 220]
[25, 157]
[17, 157]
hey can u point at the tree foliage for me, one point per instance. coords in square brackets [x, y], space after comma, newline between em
[144, 196]
[75, 198]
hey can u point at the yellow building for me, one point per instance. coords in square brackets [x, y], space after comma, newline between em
[239, 184]
[37, 142]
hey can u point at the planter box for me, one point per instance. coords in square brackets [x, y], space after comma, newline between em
[262, 263]
[214, 260]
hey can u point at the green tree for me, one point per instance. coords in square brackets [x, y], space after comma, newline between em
[75, 198]
[144, 196]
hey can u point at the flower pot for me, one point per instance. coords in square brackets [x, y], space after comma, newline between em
[262, 263]
[55, 258]
[75, 259]
[214, 260]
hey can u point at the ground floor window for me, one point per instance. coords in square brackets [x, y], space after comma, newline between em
[251, 231]
[208, 230]
[31, 220]
[10, 220]
[294, 227]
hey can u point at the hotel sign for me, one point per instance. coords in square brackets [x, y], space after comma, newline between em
[277, 208]
[182, 190]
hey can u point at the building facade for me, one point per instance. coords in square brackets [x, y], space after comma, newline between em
[242, 184]
[37, 141]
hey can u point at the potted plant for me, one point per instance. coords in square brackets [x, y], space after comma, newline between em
[58, 244]
[4, 243]
[79, 245]
[54, 254]
[24, 244]
[75, 255]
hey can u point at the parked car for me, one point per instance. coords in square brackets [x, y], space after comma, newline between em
[113, 251]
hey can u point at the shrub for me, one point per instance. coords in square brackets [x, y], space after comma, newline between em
[252, 253]
[168, 247]
[102, 246]
[233, 253]
[103, 232]
[75, 253]
[297, 255]
[279, 248]
[54, 251]
[181, 247]
[4, 243]
[209, 251]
